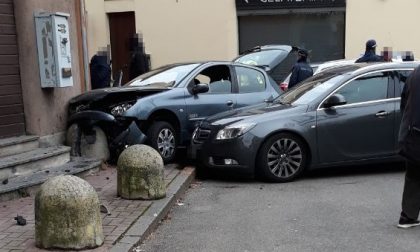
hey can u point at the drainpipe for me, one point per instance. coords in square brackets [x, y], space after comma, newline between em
[85, 47]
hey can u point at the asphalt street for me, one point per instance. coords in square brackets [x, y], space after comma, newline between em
[340, 209]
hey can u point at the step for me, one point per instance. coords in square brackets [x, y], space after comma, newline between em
[19, 144]
[26, 185]
[34, 160]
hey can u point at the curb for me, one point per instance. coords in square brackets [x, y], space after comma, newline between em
[150, 219]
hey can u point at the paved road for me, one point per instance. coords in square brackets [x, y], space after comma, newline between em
[354, 209]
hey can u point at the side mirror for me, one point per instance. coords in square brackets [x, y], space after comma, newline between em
[200, 88]
[335, 100]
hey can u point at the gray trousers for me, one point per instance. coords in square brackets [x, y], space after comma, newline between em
[411, 194]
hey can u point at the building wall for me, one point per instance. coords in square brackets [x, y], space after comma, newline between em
[173, 30]
[390, 22]
[45, 109]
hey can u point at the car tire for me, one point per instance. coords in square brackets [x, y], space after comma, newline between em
[163, 138]
[94, 146]
[282, 158]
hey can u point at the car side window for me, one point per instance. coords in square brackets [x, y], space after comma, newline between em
[369, 87]
[402, 76]
[250, 80]
[217, 77]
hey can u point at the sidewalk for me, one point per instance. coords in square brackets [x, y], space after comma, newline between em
[130, 222]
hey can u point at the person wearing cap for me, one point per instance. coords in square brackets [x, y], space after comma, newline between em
[370, 53]
[301, 70]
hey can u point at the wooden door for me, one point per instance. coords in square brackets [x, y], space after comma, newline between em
[122, 29]
[12, 119]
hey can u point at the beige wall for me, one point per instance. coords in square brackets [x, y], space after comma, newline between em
[45, 109]
[183, 30]
[97, 28]
[389, 22]
[173, 30]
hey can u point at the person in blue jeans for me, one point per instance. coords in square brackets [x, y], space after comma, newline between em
[409, 147]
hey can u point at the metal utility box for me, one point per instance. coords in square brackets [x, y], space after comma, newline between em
[54, 53]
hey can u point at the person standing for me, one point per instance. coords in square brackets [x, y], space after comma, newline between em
[409, 148]
[139, 63]
[100, 70]
[370, 53]
[301, 70]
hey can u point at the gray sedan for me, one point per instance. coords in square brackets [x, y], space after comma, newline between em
[346, 115]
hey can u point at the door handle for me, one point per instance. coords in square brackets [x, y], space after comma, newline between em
[229, 103]
[382, 114]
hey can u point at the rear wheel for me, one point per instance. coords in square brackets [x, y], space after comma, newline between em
[163, 138]
[282, 158]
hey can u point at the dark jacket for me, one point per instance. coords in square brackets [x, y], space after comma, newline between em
[369, 56]
[138, 64]
[409, 134]
[301, 71]
[100, 72]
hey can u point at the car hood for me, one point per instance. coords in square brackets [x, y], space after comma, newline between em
[256, 113]
[119, 93]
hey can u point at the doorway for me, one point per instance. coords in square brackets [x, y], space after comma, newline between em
[122, 28]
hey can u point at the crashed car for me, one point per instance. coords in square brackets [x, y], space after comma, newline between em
[162, 107]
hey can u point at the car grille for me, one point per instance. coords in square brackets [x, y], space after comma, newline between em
[200, 135]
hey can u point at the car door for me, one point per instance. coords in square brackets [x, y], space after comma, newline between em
[364, 127]
[219, 98]
[252, 87]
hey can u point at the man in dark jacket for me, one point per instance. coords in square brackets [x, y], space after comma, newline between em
[301, 70]
[139, 63]
[409, 144]
[370, 53]
[100, 71]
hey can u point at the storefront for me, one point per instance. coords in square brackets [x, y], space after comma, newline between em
[317, 25]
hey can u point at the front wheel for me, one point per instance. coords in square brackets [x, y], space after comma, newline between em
[163, 138]
[282, 158]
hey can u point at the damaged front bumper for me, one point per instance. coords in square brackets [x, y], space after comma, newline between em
[120, 132]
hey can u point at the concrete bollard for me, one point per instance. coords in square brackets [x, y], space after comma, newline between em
[140, 173]
[67, 214]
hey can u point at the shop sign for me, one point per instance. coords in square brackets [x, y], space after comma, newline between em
[287, 4]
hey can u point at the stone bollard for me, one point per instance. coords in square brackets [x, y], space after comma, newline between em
[140, 173]
[67, 214]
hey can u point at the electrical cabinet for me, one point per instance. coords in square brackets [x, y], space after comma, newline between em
[54, 51]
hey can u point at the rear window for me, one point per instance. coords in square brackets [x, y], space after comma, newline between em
[262, 58]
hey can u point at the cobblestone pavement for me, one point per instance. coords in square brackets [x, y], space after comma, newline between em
[123, 213]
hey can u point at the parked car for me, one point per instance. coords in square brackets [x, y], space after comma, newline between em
[345, 115]
[162, 106]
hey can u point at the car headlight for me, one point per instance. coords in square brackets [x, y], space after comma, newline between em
[120, 109]
[234, 130]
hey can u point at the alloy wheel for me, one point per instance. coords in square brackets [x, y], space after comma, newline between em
[284, 158]
[166, 142]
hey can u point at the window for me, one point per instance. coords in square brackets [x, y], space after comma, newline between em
[250, 80]
[370, 87]
[218, 78]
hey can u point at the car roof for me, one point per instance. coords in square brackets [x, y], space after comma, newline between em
[359, 68]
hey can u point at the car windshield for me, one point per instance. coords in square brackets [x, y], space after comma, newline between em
[310, 89]
[169, 76]
[262, 58]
